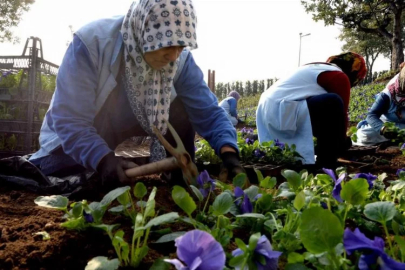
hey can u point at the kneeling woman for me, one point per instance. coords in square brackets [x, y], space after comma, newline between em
[313, 101]
[389, 106]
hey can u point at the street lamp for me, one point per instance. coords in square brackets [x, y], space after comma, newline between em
[299, 54]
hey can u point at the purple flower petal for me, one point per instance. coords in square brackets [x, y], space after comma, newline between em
[399, 171]
[177, 264]
[331, 173]
[258, 196]
[368, 176]
[389, 263]
[246, 206]
[200, 245]
[238, 192]
[358, 241]
[88, 217]
[264, 249]
[338, 187]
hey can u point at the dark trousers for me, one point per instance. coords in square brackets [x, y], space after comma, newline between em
[328, 126]
[59, 164]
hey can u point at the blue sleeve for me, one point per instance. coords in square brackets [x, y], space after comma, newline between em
[74, 107]
[232, 107]
[380, 106]
[208, 119]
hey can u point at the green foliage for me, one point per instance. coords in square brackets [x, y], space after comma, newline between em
[320, 230]
[361, 100]
[381, 18]
[205, 154]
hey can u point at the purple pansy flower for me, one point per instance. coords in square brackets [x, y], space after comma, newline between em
[259, 153]
[368, 176]
[403, 146]
[399, 171]
[338, 183]
[249, 141]
[243, 201]
[279, 144]
[265, 250]
[205, 183]
[88, 217]
[245, 131]
[198, 250]
[375, 254]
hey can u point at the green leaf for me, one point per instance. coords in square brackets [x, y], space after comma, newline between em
[222, 204]
[150, 204]
[77, 210]
[398, 186]
[54, 201]
[380, 211]
[251, 215]
[254, 238]
[265, 202]
[74, 224]
[102, 263]
[118, 209]
[293, 178]
[299, 200]
[259, 175]
[239, 180]
[45, 235]
[251, 192]
[320, 230]
[165, 218]
[107, 228]
[140, 190]
[355, 191]
[241, 244]
[197, 193]
[183, 200]
[268, 182]
[169, 237]
[124, 198]
[400, 243]
[160, 264]
[97, 211]
[112, 195]
[236, 261]
[295, 257]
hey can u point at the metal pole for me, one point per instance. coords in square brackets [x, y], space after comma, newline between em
[299, 53]
[31, 94]
[209, 78]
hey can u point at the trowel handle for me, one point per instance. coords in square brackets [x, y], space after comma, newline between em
[160, 166]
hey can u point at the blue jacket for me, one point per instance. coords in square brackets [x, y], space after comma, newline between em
[384, 110]
[87, 76]
[229, 104]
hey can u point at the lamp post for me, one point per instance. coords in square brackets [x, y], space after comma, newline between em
[299, 54]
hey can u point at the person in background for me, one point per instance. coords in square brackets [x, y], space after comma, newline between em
[312, 102]
[389, 106]
[230, 105]
[119, 77]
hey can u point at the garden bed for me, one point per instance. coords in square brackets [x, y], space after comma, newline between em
[21, 218]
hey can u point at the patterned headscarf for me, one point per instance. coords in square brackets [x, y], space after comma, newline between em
[148, 26]
[397, 91]
[352, 64]
[234, 94]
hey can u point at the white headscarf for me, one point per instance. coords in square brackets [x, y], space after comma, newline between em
[148, 26]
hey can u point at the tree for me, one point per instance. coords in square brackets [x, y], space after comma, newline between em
[255, 87]
[11, 12]
[262, 86]
[248, 88]
[368, 45]
[381, 17]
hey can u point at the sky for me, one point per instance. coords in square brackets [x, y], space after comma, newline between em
[239, 39]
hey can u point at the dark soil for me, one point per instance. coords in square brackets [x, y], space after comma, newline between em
[20, 218]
